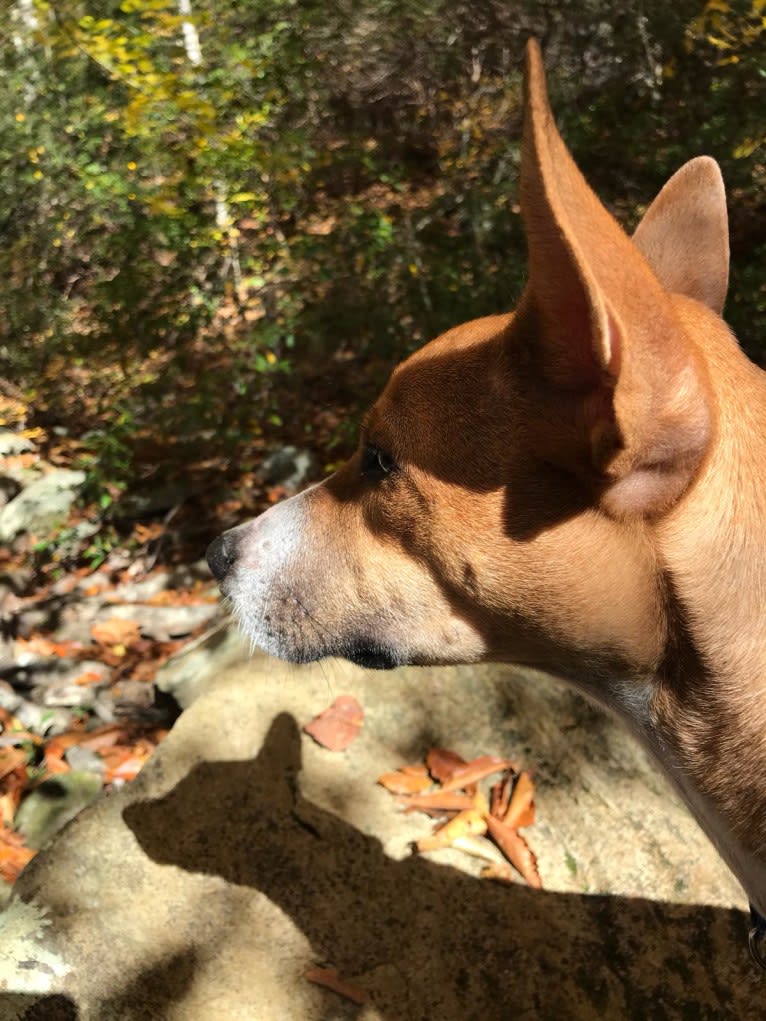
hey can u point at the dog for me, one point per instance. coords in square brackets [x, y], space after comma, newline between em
[577, 485]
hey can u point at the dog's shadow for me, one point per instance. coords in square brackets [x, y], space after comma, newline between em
[427, 941]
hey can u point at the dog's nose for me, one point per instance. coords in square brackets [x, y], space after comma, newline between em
[220, 557]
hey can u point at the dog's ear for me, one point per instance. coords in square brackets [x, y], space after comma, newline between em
[604, 337]
[685, 234]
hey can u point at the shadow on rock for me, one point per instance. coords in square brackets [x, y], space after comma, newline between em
[428, 941]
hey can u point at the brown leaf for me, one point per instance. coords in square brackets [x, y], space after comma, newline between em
[467, 823]
[500, 796]
[13, 855]
[418, 769]
[442, 762]
[116, 632]
[404, 783]
[89, 677]
[12, 787]
[521, 810]
[10, 759]
[500, 872]
[437, 802]
[475, 770]
[516, 850]
[338, 726]
[330, 979]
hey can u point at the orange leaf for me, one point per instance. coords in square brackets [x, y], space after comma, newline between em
[337, 726]
[467, 823]
[441, 763]
[12, 787]
[418, 769]
[330, 979]
[437, 802]
[476, 769]
[501, 872]
[88, 677]
[116, 632]
[516, 850]
[11, 759]
[404, 783]
[500, 796]
[521, 811]
[13, 855]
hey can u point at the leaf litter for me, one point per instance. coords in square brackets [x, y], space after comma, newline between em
[487, 827]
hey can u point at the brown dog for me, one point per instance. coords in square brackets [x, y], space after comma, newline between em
[577, 485]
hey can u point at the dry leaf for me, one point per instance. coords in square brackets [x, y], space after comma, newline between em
[500, 871]
[442, 762]
[418, 769]
[11, 789]
[330, 979]
[11, 759]
[404, 783]
[521, 810]
[468, 823]
[516, 850]
[89, 677]
[500, 796]
[116, 632]
[13, 855]
[475, 770]
[337, 726]
[437, 802]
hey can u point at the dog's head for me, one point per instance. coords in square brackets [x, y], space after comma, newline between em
[502, 500]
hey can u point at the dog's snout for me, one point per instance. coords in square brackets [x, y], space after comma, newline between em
[220, 556]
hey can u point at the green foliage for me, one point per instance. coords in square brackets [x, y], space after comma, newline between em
[182, 228]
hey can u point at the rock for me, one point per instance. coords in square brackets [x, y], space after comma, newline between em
[84, 760]
[162, 622]
[154, 501]
[44, 721]
[243, 854]
[10, 700]
[8, 489]
[139, 591]
[55, 802]
[291, 467]
[186, 675]
[12, 444]
[42, 505]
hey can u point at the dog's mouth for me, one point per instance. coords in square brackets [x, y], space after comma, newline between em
[372, 657]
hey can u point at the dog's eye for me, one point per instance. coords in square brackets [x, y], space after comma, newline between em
[376, 463]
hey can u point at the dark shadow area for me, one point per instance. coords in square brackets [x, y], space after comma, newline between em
[37, 1008]
[429, 942]
[150, 994]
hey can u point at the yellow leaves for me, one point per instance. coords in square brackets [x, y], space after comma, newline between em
[20, 117]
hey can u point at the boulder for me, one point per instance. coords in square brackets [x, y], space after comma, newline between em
[42, 505]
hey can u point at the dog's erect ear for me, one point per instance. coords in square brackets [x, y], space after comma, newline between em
[602, 329]
[685, 234]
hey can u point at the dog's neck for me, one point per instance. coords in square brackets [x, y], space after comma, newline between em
[707, 723]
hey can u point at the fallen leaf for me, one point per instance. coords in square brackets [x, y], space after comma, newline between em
[116, 632]
[337, 726]
[467, 823]
[516, 850]
[330, 979]
[521, 810]
[480, 847]
[418, 769]
[500, 796]
[500, 871]
[11, 759]
[12, 788]
[89, 677]
[13, 855]
[404, 783]
[437, 802]
[475, 770]
[442, 762]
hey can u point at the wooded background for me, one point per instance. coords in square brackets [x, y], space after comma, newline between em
[223, 222]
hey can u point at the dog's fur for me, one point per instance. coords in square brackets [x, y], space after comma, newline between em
[577, 485]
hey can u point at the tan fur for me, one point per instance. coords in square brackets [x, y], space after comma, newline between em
[578, 485]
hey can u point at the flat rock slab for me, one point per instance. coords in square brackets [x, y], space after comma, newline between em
[245, 854]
